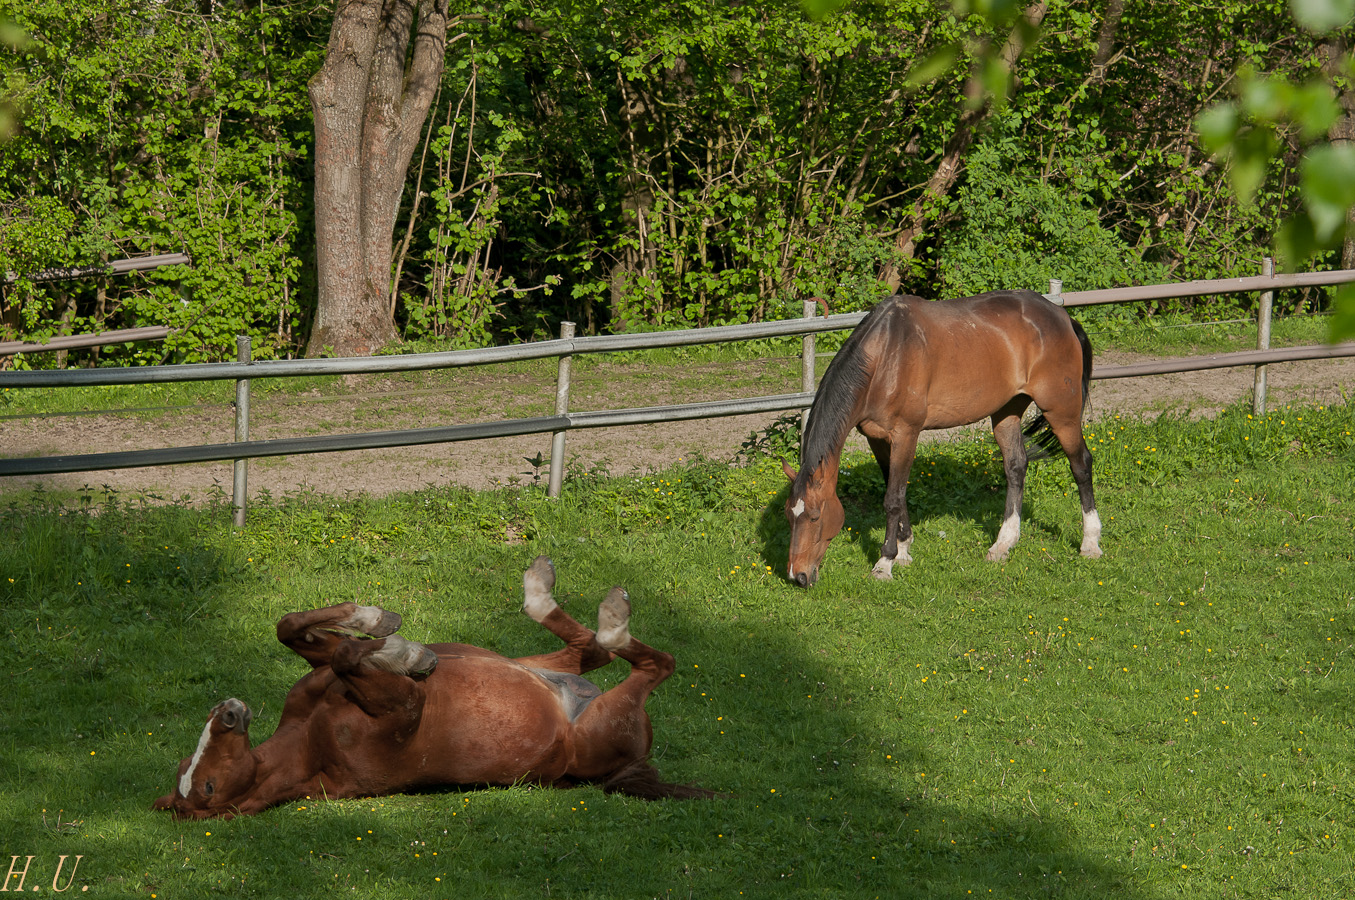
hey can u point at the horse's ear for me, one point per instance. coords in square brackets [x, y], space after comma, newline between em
[790, 473]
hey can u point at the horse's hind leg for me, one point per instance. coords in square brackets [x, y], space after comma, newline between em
[1010, 440]
[581, 653]
[614, 730]
[1068, 429]
[315, 633]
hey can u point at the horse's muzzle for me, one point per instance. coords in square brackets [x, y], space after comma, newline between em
[805, 579]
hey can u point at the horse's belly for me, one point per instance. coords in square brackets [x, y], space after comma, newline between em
[966, 409]
[497, 734]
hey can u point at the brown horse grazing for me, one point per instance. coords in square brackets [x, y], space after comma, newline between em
[913, 365]
[385, 715]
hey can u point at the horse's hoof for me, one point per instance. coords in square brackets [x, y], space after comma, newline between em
[404, 657]
[372, 621]
[1091, 552]
[541, 570]
[614, 620]
[537, 583]
[995, 556]
[883, 570]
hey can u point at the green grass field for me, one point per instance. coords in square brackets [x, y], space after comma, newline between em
[1173, 720]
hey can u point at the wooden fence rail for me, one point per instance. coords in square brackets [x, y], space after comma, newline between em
[563, 350]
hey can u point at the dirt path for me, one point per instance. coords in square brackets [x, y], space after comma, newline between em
[378, 404]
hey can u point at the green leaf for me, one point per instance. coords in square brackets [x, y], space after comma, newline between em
[1343, 314]
[1313, 108]
[818, 9]
[1217, 126]
[1327, 178]
[1321, 16]
[1266, 98]
[1296, 241]
[932, 66]
[996, 79]
[1249, 160]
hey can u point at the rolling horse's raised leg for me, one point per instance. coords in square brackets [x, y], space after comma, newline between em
[896, 460]
[379, 676]
[315, 633]
[1010, 440]
[614, 731]
[582, 652]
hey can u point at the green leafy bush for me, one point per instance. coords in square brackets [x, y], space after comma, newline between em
[1017, 230]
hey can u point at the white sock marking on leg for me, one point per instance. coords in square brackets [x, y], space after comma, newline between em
[1007, 536]
[1091, 534]
[537, 582]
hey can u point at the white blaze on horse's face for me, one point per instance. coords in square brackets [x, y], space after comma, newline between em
[222, 757]
[186, 779]
[815, 518]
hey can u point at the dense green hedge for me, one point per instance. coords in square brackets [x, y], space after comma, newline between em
[632, 165]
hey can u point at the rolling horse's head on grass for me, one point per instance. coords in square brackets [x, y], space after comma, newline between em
[913, 365]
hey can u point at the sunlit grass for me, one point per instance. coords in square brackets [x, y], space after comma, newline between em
[1170, 720]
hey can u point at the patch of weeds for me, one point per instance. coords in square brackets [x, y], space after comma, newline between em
[780, 439]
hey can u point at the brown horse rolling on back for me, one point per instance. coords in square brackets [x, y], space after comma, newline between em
[913, 365]
[383, 715]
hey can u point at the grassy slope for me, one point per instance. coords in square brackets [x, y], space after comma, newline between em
[1171, 720]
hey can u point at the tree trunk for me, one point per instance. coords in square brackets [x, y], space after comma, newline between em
[370, 99]
[638, 259]
[1342, 130]
[952, 156]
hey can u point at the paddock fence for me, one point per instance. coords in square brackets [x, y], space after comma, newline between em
[566, 347]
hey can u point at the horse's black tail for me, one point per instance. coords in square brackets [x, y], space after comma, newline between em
[1041, 441]
[640, 779]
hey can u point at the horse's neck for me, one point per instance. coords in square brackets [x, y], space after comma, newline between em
[828, 428]
[827, 470]
[283, 755]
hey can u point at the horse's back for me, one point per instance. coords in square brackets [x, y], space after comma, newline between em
[952, 362]
[979, 319]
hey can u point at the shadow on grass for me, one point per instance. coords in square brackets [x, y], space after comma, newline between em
[819, 799]
[966, 482]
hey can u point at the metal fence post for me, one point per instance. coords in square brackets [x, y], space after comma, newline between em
[239, 490]
[557, 439]
[1258, 401]
[807, 364]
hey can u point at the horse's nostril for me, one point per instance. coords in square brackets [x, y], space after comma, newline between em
[802, 579]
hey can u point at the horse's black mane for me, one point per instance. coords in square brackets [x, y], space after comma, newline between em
[830, 418]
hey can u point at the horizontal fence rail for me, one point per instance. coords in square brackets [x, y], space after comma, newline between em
[116, 267]
[1228, 360]
[1250, 285]
[83, 341]
[653, 415]
[376, 440]
[566, 347]
[414, 362]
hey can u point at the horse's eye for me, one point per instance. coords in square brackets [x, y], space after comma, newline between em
[209, 788]
[814, 514]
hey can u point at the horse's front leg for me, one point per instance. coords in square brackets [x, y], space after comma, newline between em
[315, 633]
[1010, 440]
[379, 676]
[614, 730]
[898, 529]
